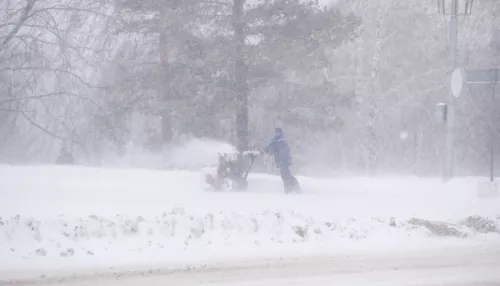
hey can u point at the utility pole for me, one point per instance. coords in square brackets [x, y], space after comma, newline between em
[450, 123]
[454, 13]
[492, 132]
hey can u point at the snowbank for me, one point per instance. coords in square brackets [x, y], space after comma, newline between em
[64, 217]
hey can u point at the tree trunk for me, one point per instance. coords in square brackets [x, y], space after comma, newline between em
[342, 152]
[165, 92]
[367, 74]
[372, 136]
[360, 108]
[166, 126]
[8, 119]
[372, 102]
[240, 76]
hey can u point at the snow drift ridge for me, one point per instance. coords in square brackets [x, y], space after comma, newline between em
[95, 235]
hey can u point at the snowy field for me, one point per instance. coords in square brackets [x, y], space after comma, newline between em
[56, 220]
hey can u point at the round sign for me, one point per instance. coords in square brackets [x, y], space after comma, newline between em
[457, 82]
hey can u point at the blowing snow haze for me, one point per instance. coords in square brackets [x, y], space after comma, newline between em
[93, 78]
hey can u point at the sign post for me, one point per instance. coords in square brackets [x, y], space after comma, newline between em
[482, 76]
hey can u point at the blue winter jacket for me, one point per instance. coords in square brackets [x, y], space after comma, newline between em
[280, 150]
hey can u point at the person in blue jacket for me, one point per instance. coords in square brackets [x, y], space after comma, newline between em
[281, 151]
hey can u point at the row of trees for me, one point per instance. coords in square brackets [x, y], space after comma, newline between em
[348, 81]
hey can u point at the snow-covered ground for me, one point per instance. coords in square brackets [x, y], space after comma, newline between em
[68, 218]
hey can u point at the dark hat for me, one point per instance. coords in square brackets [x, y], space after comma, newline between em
[278, 130]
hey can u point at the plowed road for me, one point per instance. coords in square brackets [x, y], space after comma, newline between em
[451, 267]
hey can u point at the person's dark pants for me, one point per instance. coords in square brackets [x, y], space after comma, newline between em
[289, 181]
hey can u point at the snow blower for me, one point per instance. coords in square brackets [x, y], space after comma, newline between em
[231, 171]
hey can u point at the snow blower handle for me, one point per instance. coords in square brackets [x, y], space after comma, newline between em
[252, 154]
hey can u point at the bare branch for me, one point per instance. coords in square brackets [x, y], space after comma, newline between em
[75, 9]
[24, 17]
[53, 94]
[45, 130]
[83, 81]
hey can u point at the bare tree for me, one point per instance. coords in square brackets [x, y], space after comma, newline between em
[44, 55]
